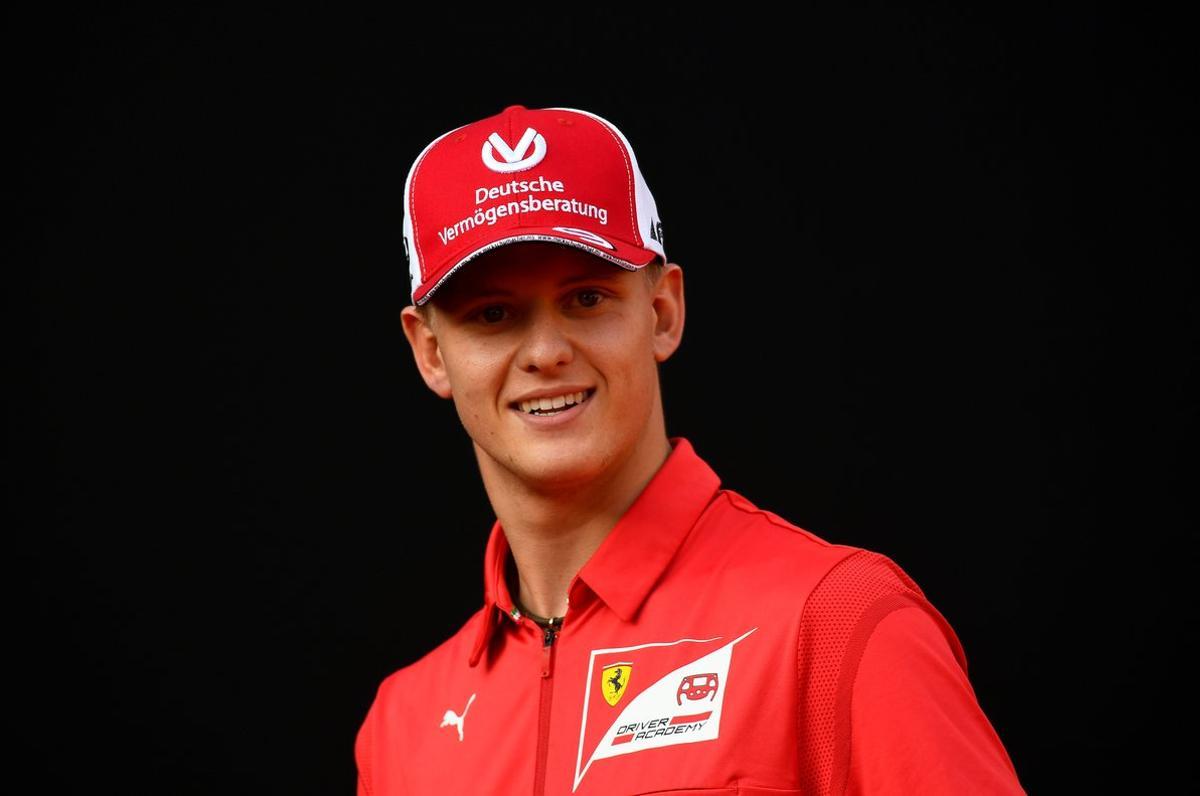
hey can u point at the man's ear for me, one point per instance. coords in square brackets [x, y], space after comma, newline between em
[426, 352]
[667, 300]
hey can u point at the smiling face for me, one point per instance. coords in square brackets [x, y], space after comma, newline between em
[533, 320]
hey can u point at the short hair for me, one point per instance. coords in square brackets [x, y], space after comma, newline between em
[652, 272]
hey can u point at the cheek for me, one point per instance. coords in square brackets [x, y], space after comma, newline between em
[627, 357]
[476, 378]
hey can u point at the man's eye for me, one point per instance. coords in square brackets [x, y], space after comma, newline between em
[491, 314]
[590, 302]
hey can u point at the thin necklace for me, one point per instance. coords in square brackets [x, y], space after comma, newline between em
[541, 620]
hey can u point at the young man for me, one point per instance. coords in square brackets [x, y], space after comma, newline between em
[643, 630]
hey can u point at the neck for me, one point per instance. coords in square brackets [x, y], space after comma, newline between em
[552, 534]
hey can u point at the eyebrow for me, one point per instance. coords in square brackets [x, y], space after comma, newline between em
[591, 276]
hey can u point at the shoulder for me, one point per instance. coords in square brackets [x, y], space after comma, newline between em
[841, 590]
[396, 697]
[414, 678]
[733, 507]
[848, 590]
[738, 549]
[855, 597]
[846, 571]
[756, 537]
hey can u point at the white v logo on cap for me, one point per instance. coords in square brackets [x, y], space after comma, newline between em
[514, 158]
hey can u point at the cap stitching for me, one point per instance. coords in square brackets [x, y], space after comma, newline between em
[412, 199]
[628, 179]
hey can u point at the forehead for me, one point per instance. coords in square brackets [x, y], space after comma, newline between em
[526, 266]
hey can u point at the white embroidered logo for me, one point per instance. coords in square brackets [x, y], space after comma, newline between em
[514, 158]
[452, 718]
[586, 235]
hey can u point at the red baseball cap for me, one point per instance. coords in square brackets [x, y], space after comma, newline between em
[549, 174]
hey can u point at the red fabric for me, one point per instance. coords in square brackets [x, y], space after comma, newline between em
[915, 723]
[748, 655]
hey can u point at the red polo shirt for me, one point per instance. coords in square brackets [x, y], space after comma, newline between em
[709, 646]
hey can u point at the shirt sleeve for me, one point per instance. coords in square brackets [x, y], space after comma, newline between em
[915, 723]
[885, 706]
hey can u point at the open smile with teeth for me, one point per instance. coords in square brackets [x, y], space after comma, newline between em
[555, 404]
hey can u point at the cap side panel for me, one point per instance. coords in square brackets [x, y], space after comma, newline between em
[623, 147]
[646, 211]
[415, 260]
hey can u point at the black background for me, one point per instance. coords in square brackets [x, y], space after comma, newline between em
[937, 307]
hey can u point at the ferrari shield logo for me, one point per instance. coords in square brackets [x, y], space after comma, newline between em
[614, 680]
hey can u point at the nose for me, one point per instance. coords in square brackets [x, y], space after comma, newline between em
[547, 343]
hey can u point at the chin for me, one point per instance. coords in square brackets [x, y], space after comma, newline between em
[553, 464]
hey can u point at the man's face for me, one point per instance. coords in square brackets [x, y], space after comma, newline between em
[541, 319]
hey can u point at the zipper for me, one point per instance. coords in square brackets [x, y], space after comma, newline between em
[549, 634]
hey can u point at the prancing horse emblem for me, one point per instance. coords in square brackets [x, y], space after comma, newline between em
[615, 681]
[453, 718]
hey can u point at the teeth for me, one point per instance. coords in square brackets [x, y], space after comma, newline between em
[557, 402]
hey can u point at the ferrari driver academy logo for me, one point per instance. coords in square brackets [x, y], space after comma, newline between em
[677, 698]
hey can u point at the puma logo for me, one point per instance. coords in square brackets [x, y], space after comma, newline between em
[452, 718]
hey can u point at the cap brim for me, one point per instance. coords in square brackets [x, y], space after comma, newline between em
[625, 255]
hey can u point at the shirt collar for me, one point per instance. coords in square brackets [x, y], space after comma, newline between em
[631, 558]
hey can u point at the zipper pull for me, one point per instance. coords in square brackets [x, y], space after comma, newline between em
[550, 631]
